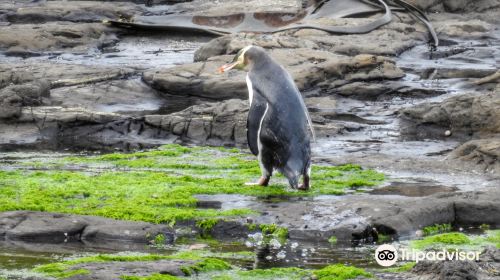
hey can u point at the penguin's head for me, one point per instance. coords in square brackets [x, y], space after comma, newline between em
[241, 59]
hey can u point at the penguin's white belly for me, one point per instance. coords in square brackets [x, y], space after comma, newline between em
[250, 90]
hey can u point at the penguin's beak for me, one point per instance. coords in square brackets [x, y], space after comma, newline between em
[227, 67]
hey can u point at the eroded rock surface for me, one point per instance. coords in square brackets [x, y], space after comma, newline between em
[115, 270]
[468, 114]
[29, 226]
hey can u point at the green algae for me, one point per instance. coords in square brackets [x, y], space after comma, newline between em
[159, 186]
[441, 240]
[60, 270]
[207, 224]
[332, 240]
[484, 227]
[155, 276]
[274, 231]
[159, 240]
[383, 238]
[340, 272]
[206, 265]
[493, 237]
[277, 273]
[205, 262]
[458, 240]
[331, 272]
[436, 229]
[401, 268]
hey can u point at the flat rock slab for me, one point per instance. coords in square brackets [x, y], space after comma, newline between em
[307, 67]
[58, 74]
[130, 97]
[361, 217]
[30, 39]
[114, 270]
[46, 227]
[77, 11]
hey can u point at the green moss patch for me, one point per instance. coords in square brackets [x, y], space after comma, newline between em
[401, 268]
[458, 240]
[160, 185]
[493, 237]
[155, 276]
[340, 272]
[332, 240]
[206, 265]
[60, 270]
[441, 240]
[285, 273]
[331, 272]
[274, 231]
[436, 229]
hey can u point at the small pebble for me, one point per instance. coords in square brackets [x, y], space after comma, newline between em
[281, 255]
[275, 244]
[447, 133]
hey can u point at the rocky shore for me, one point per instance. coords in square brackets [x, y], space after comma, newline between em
[428, 119]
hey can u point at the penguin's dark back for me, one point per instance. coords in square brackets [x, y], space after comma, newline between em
[275, 85]
[287, 112]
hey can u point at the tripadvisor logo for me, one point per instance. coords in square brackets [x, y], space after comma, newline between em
[387, 255]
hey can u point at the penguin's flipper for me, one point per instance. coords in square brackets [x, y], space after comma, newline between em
[255, 114]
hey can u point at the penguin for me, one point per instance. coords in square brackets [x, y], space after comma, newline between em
[278, 122]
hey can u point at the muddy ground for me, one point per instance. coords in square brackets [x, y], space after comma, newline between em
[428, 119]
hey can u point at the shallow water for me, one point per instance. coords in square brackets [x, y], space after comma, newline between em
[141, 51]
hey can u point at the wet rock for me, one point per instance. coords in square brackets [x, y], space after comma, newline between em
[383, 91]
[412, 189]
[224, 123]
[76, 128]
[307, 67]
[115, 270]
[485, 268]
[463, 29]
[131, 97]
[454, 5]
[447, 270]
[59, 74]
[211, 123]
[77, 11]
[467, 114]
[46, 227]
[424, 4]
[490, 254]
[224, 7]
[481, 152]
[360, 218]
[215, 47]
[65, 115]
[14, 97]
[493, 78]
[470, 208]
[55, 37]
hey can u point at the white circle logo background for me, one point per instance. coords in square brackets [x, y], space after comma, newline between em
[386, 255]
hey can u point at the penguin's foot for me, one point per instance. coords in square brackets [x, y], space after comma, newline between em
[263, 181]
[303, 187]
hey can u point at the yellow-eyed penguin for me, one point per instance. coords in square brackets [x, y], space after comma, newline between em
[278, 122]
